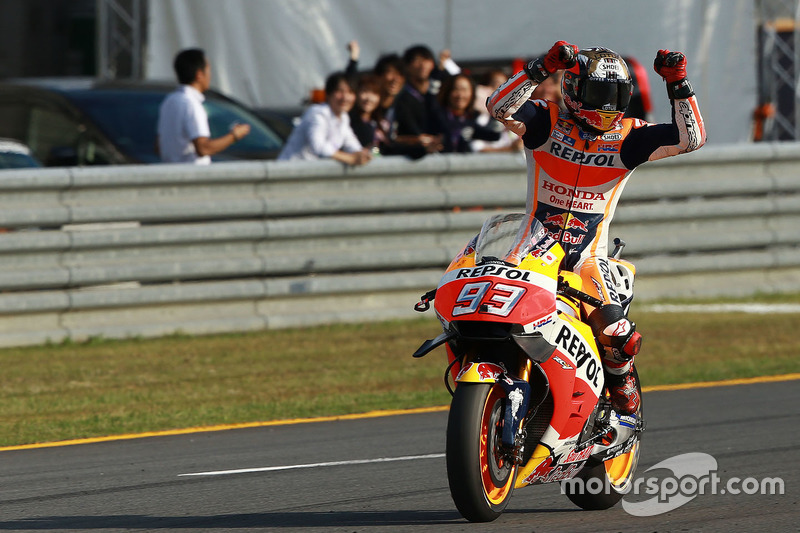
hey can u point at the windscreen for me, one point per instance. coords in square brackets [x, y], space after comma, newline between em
[508, 238]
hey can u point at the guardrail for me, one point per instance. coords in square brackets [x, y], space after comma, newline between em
[151, 250]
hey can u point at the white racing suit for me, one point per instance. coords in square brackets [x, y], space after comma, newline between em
[575, 180]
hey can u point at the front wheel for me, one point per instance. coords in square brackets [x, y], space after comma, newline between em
[481, 477]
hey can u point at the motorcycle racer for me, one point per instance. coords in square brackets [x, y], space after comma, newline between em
[578, 164]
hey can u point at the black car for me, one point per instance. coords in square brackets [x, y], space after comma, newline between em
[70, 122]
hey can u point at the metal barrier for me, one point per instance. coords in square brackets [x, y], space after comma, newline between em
[151, 250]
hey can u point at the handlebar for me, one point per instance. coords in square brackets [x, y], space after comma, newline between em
[425, 301]
[564, 288]
[619, 244]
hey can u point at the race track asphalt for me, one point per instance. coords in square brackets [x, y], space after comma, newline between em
[325, 477]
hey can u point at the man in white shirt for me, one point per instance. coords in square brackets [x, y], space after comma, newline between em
[183, 132]
[324, 131]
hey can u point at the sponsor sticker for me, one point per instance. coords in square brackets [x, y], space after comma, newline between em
[564, 126]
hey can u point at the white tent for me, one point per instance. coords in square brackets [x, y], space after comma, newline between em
[271, 53]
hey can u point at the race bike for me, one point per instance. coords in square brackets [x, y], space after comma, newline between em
[529, 403]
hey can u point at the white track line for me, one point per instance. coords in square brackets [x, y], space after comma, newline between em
[723, 308]
[317, 465]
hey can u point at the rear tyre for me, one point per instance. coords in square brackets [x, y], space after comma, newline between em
[605, 484]
[481, 478]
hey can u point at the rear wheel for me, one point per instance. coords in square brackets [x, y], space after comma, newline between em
[480, 475]
[604, 484]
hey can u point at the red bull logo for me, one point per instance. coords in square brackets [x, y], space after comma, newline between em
[566, 221]
[576, 223]
[488, 371]
[564, 126]
[602, 120]
[480, 372]
[555, 220]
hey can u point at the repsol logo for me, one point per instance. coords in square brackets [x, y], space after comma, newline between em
[494, 270]
[609, 281]
[575, 156]
[572, 343]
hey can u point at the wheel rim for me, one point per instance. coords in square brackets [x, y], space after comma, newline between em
[497, 473]
[620, 469]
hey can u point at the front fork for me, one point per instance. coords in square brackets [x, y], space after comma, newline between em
[517, 396]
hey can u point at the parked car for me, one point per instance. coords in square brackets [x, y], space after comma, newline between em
[14, 154]
[283, 120]
[72, 121]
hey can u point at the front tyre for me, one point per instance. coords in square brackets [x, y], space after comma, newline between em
[480, 475]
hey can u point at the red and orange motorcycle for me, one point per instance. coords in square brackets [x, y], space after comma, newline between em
[529, 403]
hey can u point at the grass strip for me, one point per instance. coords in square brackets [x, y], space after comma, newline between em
[109, 387]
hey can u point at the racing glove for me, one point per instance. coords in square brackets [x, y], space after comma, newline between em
[671, 66]
[561, 56]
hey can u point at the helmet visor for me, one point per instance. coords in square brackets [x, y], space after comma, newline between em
[606, 95]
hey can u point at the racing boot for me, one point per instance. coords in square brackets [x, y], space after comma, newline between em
[620, 343]
[623, 393]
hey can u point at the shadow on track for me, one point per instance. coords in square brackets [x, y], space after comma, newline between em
[297, 519]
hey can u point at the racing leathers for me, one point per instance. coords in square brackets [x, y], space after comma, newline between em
[575, 179]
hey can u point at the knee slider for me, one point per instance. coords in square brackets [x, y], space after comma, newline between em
[617, 335]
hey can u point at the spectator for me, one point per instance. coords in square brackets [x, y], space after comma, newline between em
[183, 133]
[354, 52]
[493, 79]
[508, 141]
[416, 107]
[459, 119]
[447, 67]
[324, 130]
[390, 71]
[364, 112]
[379, 129]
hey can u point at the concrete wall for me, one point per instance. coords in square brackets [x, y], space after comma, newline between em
[150, 250]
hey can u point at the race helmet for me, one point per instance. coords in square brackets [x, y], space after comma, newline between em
[597, 89]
